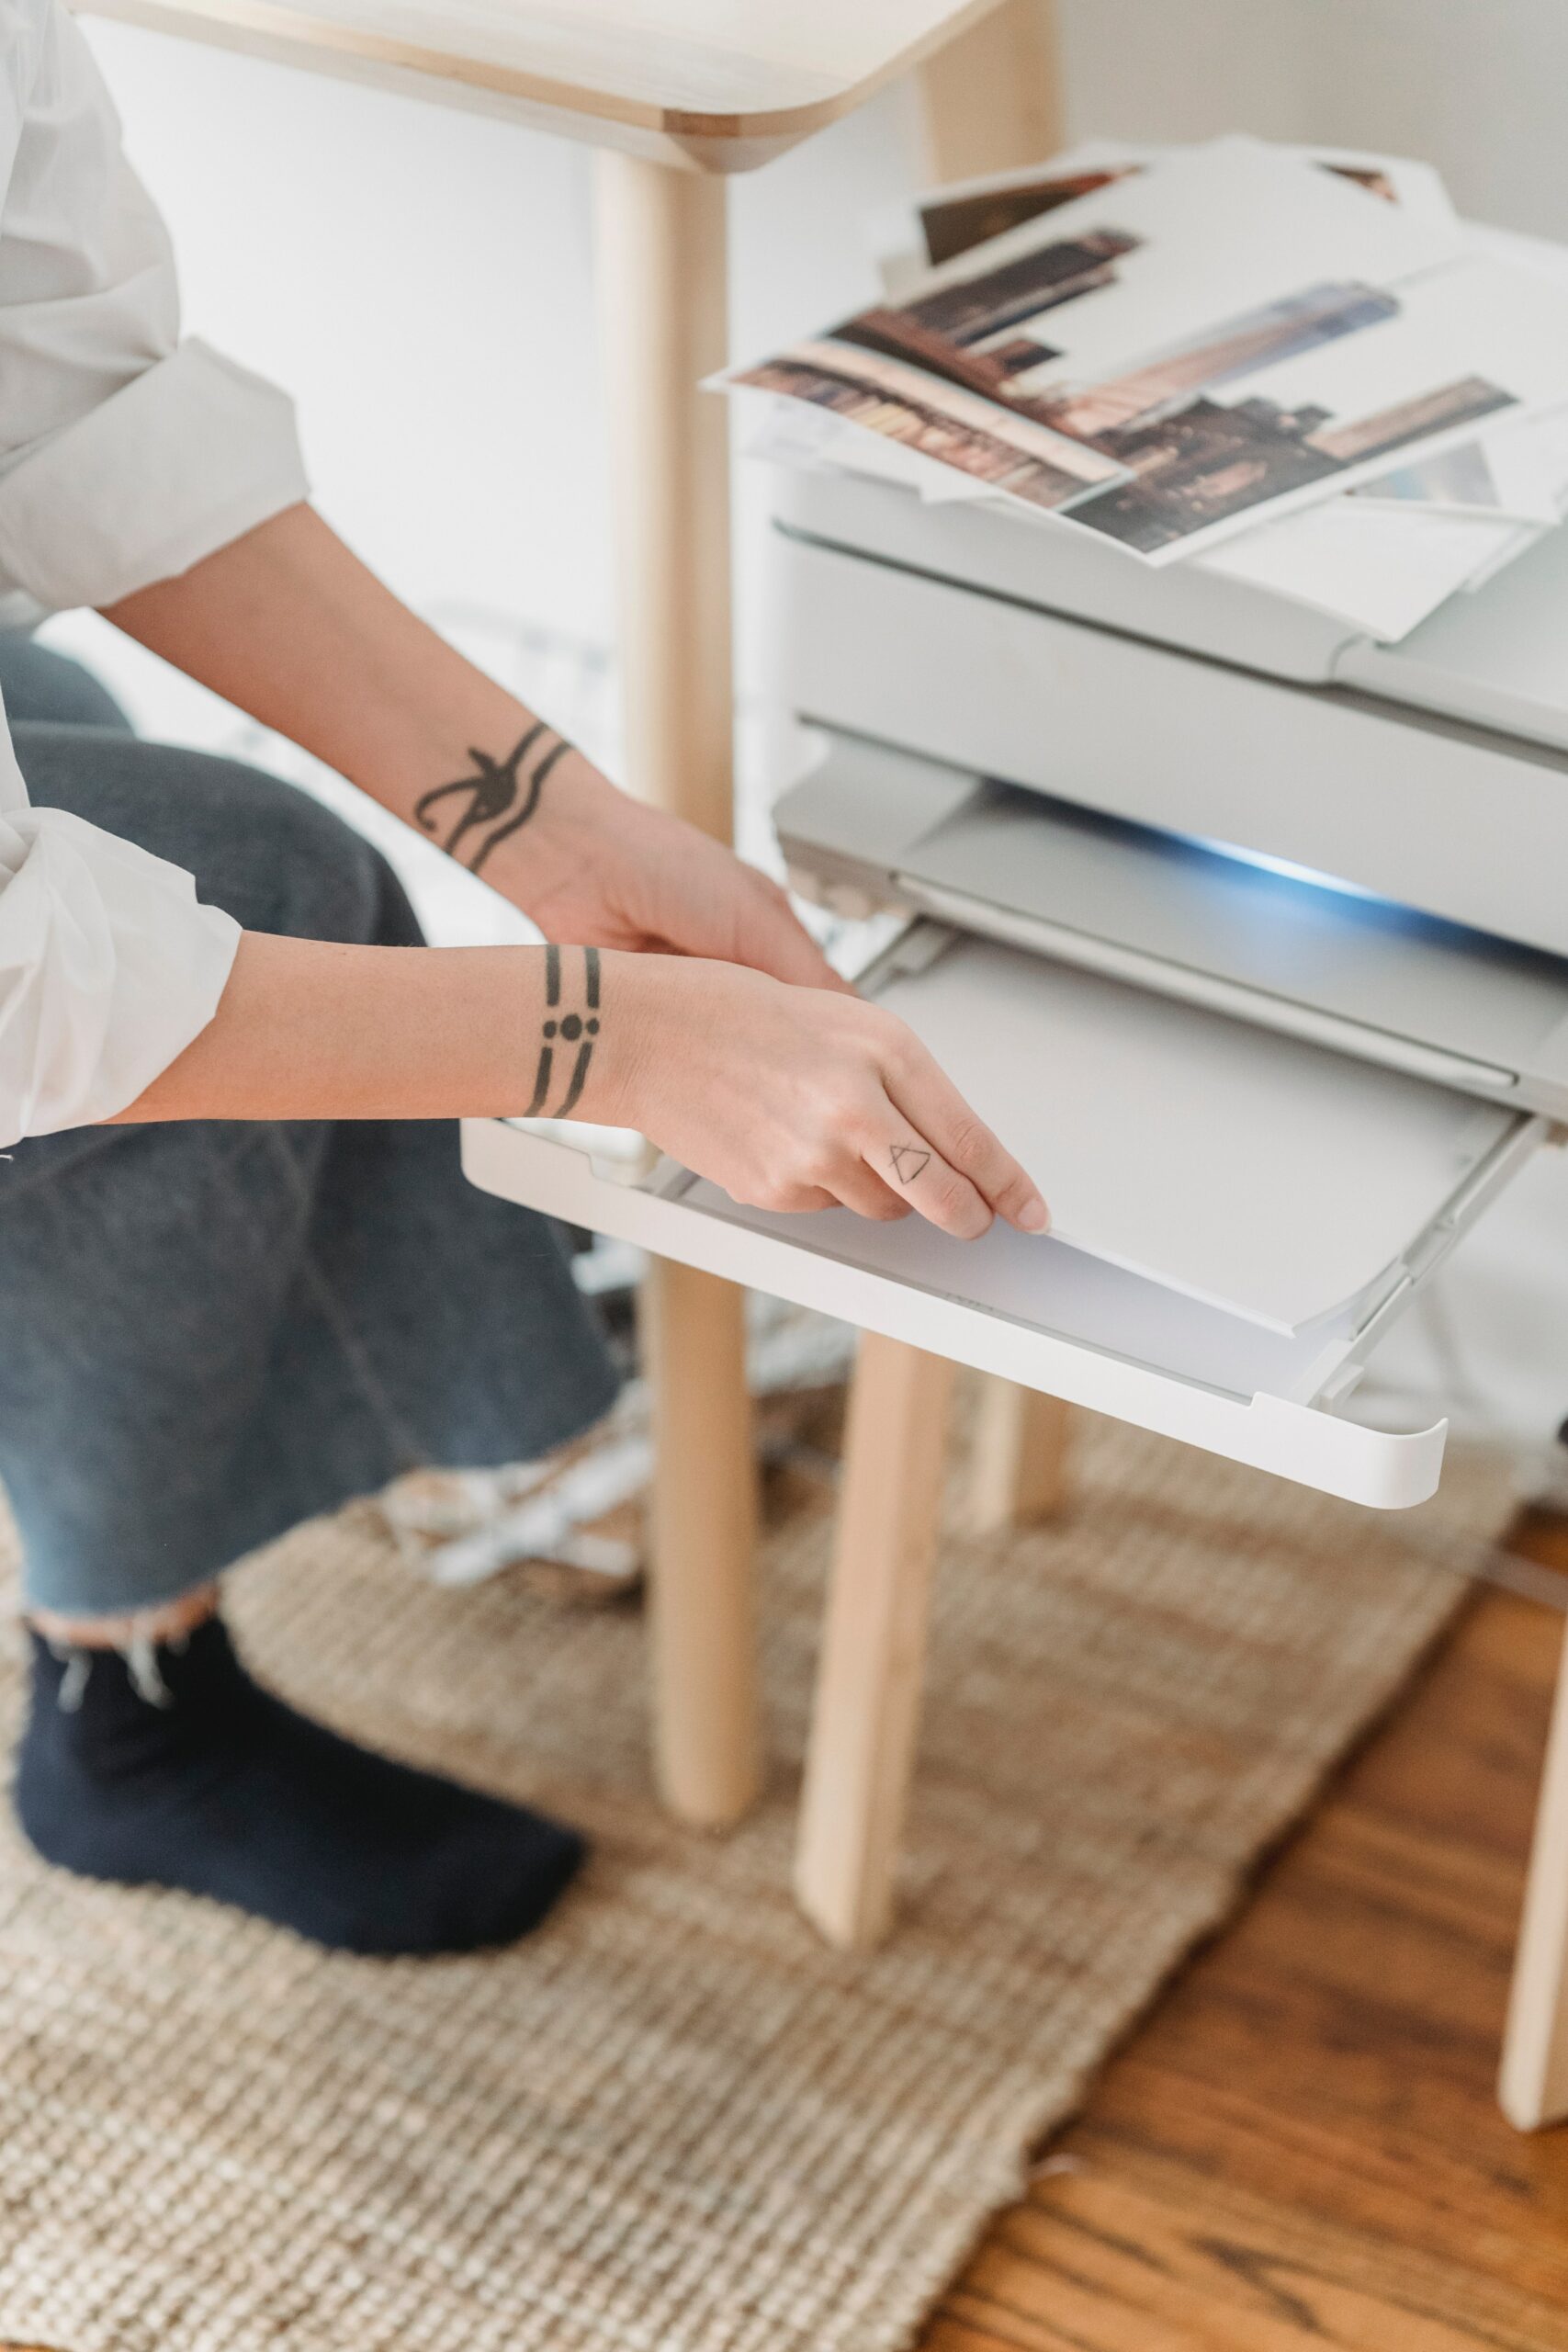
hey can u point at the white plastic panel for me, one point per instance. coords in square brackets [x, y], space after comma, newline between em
[1035, 1312]
[1405, 806]
[1498, 657]
[1385, 1470]
[1064, 570]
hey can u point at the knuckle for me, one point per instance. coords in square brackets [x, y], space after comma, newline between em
[898, 1044]
[819, 1162]
[842, 1098]
[772, 1194]
[968, 1140]
[962, 1210]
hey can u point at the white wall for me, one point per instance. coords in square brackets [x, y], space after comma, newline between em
[1478, 86]
[420, 278]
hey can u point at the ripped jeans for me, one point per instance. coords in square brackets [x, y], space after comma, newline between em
[210, 1332]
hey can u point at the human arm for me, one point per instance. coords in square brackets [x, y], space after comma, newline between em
[286, 622]
[789, 1098]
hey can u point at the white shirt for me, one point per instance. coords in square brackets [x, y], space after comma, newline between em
[126, 455]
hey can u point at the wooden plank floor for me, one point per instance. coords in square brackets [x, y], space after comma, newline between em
[1300, 2150]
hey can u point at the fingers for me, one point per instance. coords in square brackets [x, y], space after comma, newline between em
[860, 1188]
[776, 941]
[924, 1181]
[962, 1141]
[791, 1200]
[851, 1186]
[761, 928]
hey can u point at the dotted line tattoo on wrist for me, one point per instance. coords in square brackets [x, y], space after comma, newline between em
[493, 791]
[561, 1031]
[906, 1159]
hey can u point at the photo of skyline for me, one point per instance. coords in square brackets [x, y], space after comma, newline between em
[938, 420]
[1204, 462]
[1262, 338]
[1205, 338]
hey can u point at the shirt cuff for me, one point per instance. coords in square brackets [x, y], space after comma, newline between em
[188, 455]
[110, 966]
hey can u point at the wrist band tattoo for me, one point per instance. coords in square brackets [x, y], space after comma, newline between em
[562, 1031]
[493, 790]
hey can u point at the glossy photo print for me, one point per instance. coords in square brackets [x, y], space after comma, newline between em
[1226, 335]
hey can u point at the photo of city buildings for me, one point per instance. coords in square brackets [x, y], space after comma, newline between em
[1206, 462]
[1169, 349]
[963, 374]
[939, 421]
[955, 223]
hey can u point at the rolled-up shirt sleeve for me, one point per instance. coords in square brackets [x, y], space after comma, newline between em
[110, 966]
[125, 456]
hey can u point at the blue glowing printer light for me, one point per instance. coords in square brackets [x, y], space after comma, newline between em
[1284, 868]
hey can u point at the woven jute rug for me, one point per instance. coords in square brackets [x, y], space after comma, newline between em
[673, 2122]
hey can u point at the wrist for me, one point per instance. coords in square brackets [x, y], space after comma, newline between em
[511, 805]
[634, 1036]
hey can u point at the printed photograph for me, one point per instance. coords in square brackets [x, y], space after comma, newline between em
[1205, 463]
[956, 224]
[1190, 346]
[1460, 477]
[966, 375]
[1016, 454]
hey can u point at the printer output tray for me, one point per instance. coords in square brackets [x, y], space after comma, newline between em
[1038, 1311]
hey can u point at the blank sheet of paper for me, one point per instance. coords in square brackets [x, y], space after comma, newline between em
[1274, 1179]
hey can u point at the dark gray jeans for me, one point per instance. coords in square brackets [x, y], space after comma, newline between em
[211, 1332]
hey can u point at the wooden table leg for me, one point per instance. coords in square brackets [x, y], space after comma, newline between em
[992, 98]
[1018, 1463]
[868, 1688]
[1533, 2086]
[661, 268]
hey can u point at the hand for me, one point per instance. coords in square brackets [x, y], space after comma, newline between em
[596, 868]
[796, 1098]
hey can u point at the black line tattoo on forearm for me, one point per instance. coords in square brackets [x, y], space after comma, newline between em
[578, 1029]
[492, 811]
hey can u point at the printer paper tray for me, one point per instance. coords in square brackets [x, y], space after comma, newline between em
[1035, 1311]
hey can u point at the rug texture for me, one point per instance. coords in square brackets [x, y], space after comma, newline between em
[673, 2122]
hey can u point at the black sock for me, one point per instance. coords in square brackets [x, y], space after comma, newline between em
[180, 1771]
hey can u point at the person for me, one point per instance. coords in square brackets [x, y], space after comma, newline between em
[242, 1278]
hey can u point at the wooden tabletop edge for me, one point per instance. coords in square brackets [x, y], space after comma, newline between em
[768, 129]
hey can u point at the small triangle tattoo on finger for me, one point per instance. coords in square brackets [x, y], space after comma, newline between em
[907, 1161]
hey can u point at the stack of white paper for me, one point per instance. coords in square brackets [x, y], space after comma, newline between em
[1297, 368]
[1262, 1175]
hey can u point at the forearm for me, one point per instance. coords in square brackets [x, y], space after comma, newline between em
[286, 623]
[291, 627]
[309, 1029]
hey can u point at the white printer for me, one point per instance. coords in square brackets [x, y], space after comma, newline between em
[1337, 868]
